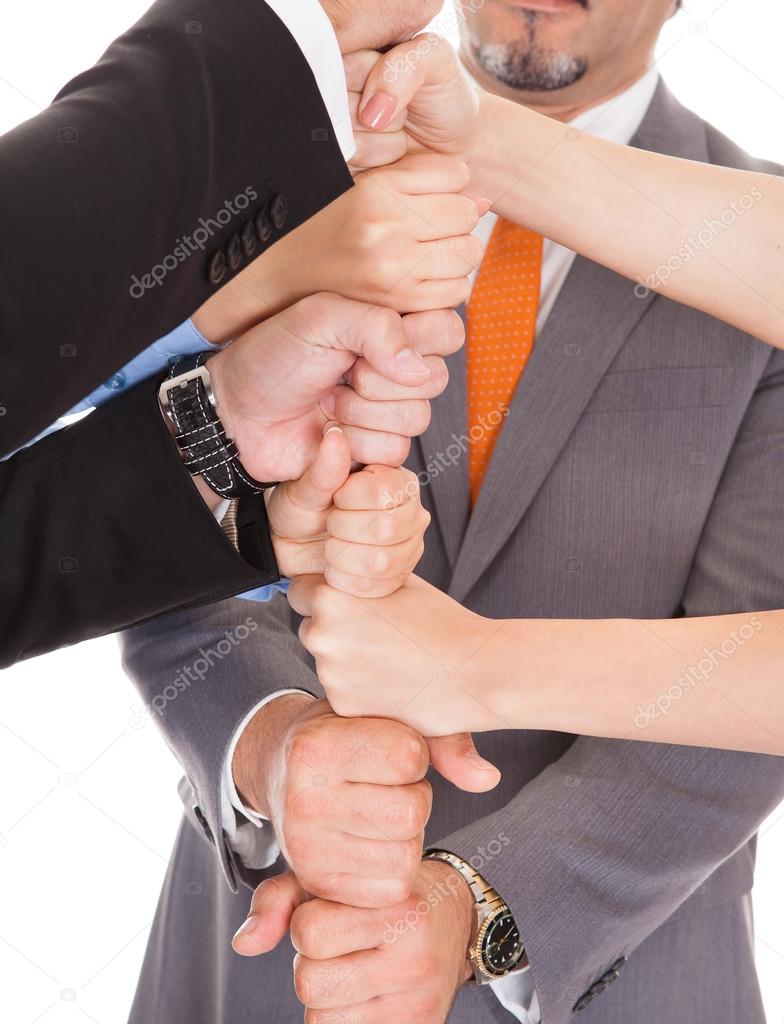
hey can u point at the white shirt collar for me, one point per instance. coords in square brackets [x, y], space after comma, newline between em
[618, 119]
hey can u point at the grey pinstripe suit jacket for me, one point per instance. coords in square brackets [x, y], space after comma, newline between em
[640, 473]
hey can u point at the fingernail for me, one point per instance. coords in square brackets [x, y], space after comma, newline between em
[477, 761]
[248, 927]
[332, 428]
[378, 111]
[411, 362]
[483, 205]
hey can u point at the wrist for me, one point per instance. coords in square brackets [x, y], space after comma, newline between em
[506, 170]
[261, 745]
[448, 888]
[210, 498]
[339, 16]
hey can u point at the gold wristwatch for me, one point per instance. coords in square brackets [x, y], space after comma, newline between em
[495, 949]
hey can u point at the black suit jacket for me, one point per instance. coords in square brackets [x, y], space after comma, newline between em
[198, 139]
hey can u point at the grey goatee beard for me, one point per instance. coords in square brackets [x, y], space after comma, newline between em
[526, 65]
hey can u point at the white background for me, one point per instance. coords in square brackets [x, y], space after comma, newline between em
[88, 807]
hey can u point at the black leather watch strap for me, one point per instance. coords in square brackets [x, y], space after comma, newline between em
[186, 399]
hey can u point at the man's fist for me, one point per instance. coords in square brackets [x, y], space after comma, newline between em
[277, 384]
[364, 532]
[371, 24]
[347, 797]
[360, 966]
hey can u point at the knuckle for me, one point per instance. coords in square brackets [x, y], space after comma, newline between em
[439, 377]
[381, 562]
[409, 859]
[361, 376]
[381, 321]
[385, 528]
[456, 171]
[363, 586]
[412, 755]
[329, 886]
[454, 332]
[419, 970]
[473, 250]
[460, 292]
[303, 982]
[307, 934]
[419, 812]
[387, 271]
[306, 747]
[398, 448]
[420, 550]
[425, 1008]
[397, 890]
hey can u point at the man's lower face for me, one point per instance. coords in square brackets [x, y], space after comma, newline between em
[530, 44]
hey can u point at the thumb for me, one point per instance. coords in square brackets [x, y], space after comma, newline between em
[394, 80]
[458, 760]
[298, 508]
[273, 903]
[330, 469]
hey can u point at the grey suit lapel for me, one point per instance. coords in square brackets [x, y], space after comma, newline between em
[445, 458]
[595, 313]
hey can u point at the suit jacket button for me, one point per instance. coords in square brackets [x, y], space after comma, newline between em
[216, 268]
[234, 252]
[279, 211]
[202, 820]
[263, 227]
[248, 238]
[582, 1002]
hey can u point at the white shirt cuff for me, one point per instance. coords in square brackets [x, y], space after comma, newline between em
[253, 843]
[307, 21]
[222, 509]
[518, 995]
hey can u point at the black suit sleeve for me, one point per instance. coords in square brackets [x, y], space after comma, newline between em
[102, 527]
[121, 201]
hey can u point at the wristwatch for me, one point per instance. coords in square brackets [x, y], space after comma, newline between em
[188, 403]
[495, 949]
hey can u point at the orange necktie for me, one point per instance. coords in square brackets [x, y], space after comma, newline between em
[501, 325]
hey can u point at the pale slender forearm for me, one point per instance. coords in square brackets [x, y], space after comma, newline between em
[707, 236]
[715, 681]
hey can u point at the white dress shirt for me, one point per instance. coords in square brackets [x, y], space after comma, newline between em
[307, 21]
[616, 120]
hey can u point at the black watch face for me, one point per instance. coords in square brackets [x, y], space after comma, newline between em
[502, 949]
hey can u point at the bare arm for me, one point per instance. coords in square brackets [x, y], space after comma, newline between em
[641, 214]
[716, 681]
[710, 237]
